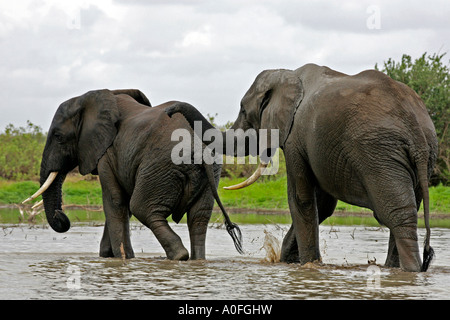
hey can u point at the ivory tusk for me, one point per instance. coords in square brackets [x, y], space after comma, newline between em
[37, 204]
[255, 176]
[47, 183]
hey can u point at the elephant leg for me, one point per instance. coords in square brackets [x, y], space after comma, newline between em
[198, 218]
[198, 225]
[392, 259]
[395, 206]
[169, 240]
[289, 248]
[116, 236]
[155, 218]
[305, 224]
[406, 241]
[325, 207]
[105, 244]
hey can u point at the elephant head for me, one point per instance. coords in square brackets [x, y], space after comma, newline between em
[270, 103]
[81, 131]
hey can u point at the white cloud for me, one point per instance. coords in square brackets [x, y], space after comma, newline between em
[201, 37]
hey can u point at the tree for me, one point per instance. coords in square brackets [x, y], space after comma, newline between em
[429, 76]
[21, 152]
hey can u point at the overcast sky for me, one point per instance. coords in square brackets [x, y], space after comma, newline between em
[206, 53]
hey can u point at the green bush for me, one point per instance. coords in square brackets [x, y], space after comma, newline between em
[21, 152]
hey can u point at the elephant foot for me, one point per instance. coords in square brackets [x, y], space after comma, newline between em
[106, 252]
[179, 255]
[124, 252]
[198, 252]
[392, 262]
[110, 254]
[409, 255]
[403, 249]
[290, 258]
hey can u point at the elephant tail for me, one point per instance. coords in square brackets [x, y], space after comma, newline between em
[428, 252]
[232, 228]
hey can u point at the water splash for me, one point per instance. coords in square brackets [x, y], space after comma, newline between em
[272, 247]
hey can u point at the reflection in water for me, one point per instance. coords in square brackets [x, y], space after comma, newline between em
[41, 264]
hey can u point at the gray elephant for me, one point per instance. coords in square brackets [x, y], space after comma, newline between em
[364, 139]
[117, 135]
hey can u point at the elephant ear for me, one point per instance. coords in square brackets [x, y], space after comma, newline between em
[136, 94]
[279, 101]
[97, 129]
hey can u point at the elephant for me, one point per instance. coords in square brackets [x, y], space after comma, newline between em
[119, 136]
[364, 139]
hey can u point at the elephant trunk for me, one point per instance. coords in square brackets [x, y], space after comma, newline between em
[53, 205]
[51, 191]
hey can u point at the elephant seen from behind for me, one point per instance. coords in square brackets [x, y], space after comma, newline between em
[364, 139]
[118, 136]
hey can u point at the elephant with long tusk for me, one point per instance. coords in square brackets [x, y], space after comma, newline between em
[119, 136]
[363, 139]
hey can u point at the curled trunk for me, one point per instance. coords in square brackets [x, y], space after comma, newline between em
[53, 204]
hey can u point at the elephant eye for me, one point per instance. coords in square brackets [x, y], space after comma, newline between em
[58, 137]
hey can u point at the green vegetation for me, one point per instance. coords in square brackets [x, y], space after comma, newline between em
[76, 191]
[263, 195]
[82, 192]
[97, 218]
[21, 154]
[270, 194]
[15, 192]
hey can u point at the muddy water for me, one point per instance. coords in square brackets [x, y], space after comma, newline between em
[37, 263]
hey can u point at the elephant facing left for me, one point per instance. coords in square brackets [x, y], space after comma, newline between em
[120, 137]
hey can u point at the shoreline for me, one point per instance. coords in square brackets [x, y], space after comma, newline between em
[257, 211]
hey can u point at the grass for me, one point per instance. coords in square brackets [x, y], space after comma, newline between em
[82, 192]
[269, 194]
[76, 191]
[272, 194]
[16, 192]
